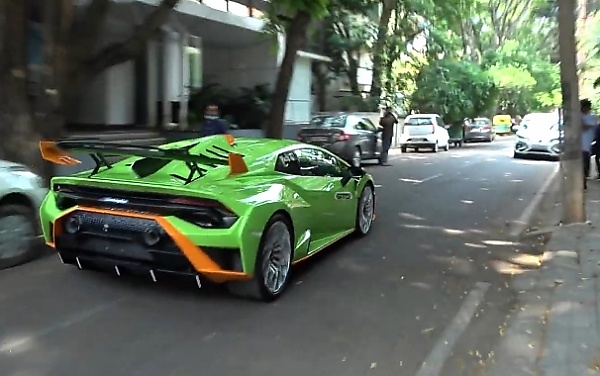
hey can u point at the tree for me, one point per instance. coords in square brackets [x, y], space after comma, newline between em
[455, 89]
[72, 58]
[571, 160]
[295, 28]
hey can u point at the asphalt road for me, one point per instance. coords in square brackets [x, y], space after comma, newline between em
[410, 292]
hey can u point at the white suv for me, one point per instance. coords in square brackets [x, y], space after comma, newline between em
[424, 131]
[21, 194]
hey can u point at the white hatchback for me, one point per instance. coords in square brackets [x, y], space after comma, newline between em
[21, 194]
[424, 131]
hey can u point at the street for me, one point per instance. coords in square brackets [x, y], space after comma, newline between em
[424, 294]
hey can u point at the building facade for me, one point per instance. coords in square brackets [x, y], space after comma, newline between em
[204, 42]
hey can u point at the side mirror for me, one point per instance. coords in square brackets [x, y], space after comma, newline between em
[347, 177]
[446, 126]
[351, 173]
[379, 130]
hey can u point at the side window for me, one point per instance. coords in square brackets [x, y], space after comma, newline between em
[288, 163]
[353, 122]
[314, 162]
[368, 125]
[439, 121]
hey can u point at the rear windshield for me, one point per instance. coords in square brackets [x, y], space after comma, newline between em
[329, 121]
[418, 121]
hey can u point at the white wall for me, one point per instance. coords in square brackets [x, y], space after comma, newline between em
[240, 67]
[120, 94]
[92, 108]
[299, 104]
[109, 99]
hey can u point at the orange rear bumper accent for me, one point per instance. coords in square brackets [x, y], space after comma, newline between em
[201, 262]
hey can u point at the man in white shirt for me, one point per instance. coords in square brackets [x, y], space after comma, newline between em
[590, 124]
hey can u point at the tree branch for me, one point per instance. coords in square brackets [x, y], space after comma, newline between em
[121, 52]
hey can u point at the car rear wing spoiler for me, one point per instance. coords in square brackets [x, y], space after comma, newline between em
[57, 152]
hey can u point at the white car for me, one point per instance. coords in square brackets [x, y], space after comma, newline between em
[424, 131]
[539, 135]
[21, 194]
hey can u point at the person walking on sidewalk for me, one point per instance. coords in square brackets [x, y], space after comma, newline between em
[212, 124]
[590, 125]
[387, 122]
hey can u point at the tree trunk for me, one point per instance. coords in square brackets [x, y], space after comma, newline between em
[384, 21]
[571, 162]
[295, 38]
[19, 138]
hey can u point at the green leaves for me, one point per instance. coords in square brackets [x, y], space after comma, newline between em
[455, 89]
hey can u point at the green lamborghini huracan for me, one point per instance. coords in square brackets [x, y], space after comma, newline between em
[217, 209]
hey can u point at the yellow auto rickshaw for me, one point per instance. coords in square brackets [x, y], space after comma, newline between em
[502, 124]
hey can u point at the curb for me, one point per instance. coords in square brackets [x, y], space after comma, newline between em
[521, 224]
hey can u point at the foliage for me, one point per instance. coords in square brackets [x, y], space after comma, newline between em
[455, 89]
[293, 18]
[247, 108]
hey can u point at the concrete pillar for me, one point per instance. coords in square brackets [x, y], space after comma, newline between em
[185, 80]
[172, 74]
[152, 77]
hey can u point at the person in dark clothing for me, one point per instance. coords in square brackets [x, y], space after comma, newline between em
[590, 125]
[596, 152]
[387, 122]
[212, 124]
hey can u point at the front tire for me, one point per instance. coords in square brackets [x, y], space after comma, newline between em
[365, 211]
[272, 270]
[18, 230]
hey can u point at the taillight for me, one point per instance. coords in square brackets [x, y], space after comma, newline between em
[209, 213]
[201, 203]
[342, 136]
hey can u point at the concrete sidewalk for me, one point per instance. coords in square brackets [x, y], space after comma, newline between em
[555, 328]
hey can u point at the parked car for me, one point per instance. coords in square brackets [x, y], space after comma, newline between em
[539, 135]
[480, 129]
[21, 194]
[424, 131]
[352, 137]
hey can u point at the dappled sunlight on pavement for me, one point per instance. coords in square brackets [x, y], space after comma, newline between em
[556, 331]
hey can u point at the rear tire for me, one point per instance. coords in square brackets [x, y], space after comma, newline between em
[273, 266]
[403, 149]
[436, 148]
[447, 147]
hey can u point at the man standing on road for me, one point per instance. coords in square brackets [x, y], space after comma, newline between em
[212, 124]
[387, 122]
[590, 124]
